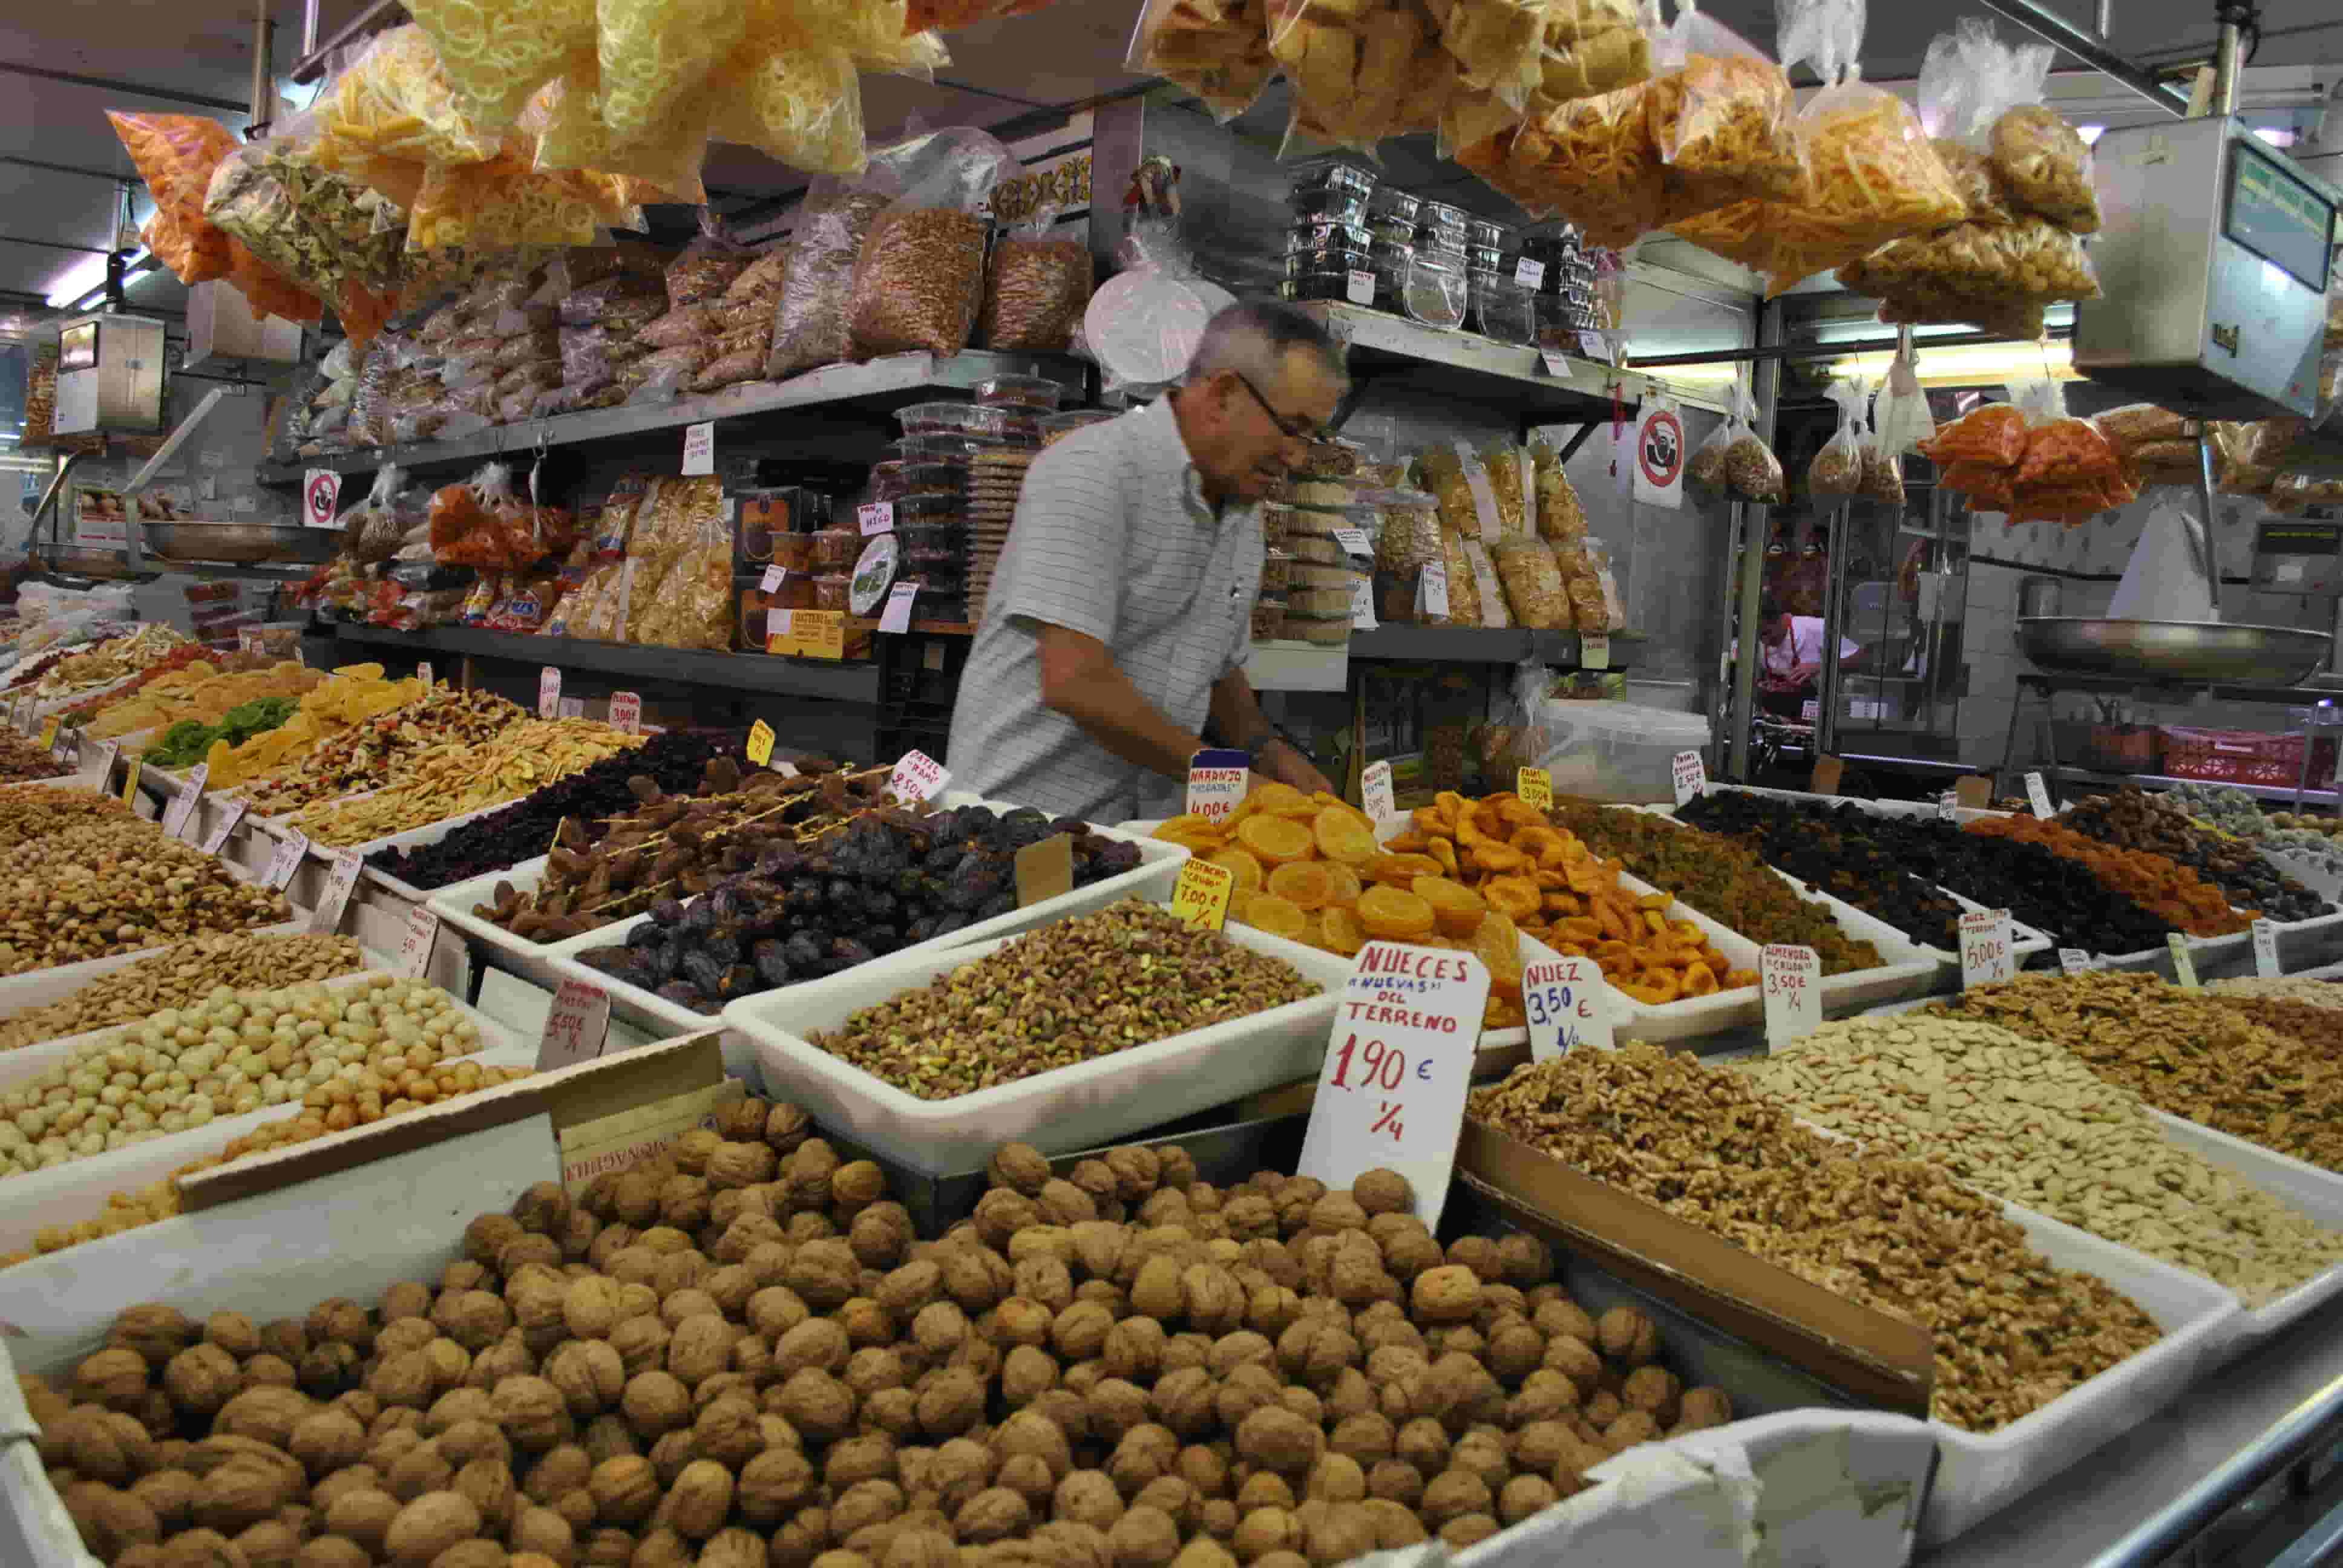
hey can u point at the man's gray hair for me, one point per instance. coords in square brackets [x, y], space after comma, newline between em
[1254, 336]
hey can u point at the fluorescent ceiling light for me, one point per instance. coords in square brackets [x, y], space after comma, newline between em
[2274, 135]
[1970, 364]
[84, 278]
[2090, 133]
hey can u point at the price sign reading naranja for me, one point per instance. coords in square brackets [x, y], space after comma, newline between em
[1986, 953]
[1200, 895]
[1390, 1091]
[1567, 1004]
[1217, 780]
[1793, 980]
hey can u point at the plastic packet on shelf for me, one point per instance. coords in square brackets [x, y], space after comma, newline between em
[2046, 166]
[1216, 49]
[1508, 472]
[921, 276]
[1359, 72]
[690, 325]
[1036, 288]
[1464, 587]
[1532, 579]
[1723, 118]
[1561, 519]
[761, 283]
[626, 299]
[668, 374]
[706, 266]
[731, 369]
[809, 327]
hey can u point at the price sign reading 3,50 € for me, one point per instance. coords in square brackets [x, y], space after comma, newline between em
[1986, 955]
[1566, 1000]
[1390, 1092]
[1793, 980]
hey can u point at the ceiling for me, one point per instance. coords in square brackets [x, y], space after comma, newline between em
[158, 53]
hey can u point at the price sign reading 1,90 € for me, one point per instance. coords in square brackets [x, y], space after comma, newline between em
[1793, 980]
[1567, 1005]
[1390, 1092]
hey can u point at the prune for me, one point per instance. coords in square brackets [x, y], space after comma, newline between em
[648, 934]
[921, 929]
[1115, 857]
[780, 862]
[667, 911]
[699, 916]
[771, 964]
[617, 961]
[688, 995]
[725, 950]
[1815, 844]
[740, 981]
[976, 880]
[841, 894]
[704, 972]
[804, 951]
[820, 866]
[999, 904]
[879, 905]
[944, 860]
[845, 953]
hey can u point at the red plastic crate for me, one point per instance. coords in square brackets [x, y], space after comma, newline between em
[2245, 757]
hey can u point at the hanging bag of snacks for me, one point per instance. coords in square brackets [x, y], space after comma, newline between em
[1216, 49]
[1837, 468]
[1036, 287]
[1722, 119]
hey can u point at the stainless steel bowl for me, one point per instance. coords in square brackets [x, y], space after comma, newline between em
[2173, 649]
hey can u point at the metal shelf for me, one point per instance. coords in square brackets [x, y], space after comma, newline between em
[1583, 390]
[1477, 645]
[876, 388]
[856, 683]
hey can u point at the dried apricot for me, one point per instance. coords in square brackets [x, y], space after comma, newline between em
[1699, 979]
[1248, 870]
[1279, 916]
[1343, 932]
[1304, 884]
[1395, 914]
[1457, 908]
[1342, 834]
[1275, 840]
[1516, 896]
[1497, 943]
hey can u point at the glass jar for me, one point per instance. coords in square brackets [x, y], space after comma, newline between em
[1488, 231]
[1503, 309]
[1308, 234]
[1389, 204]
[1341, 259]
[831, 590]
[1434, 293]
[899, 477]
[935, 419]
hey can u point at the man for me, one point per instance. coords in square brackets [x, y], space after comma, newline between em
[1121, 612]
[1789, 657]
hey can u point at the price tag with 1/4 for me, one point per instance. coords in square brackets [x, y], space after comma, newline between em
[1218, 777]
[291, 850]
[917, 777]
[897, 616]
[1432, 592]
[1690, 775]
[2038, 793]
[49, 731]
[1946, 804]
[1534, 785]
[1791, 977]
[700, 448]
[548, 693]
[577, 1026]
[1375, 792]
[1986, 956]
[2184, 962]
[2075, 961]
[231, 813]
[760, 743]
[105, 752]
[1568, 1007]
[2265, 962]
[182, 809]
[1200, 895]
[626, 712]
[415, 944]
[1399, 1060]
[340, 883]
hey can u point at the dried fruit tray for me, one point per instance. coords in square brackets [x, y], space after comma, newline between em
[1095, 1101]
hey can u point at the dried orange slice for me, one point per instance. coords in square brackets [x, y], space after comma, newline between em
[1276, 799]
[1395, 914]
[1249, 874]
[1343, 885]
[1457, 908]
[1344, 835]
[1400, 870]
[1341, 930]
[1275, 840]
[1498, 943]
[1304, 884]
[1185, 823]
[1279, 916]
[1443, 851]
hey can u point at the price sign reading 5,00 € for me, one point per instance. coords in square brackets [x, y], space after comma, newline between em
[1390, 1092]
[1985, 953]
[1565, 999]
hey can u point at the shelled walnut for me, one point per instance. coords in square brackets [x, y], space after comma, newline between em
[790, 1373]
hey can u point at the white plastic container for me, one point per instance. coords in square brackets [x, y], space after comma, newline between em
[1078, 1107]
[38, 988]
[1616, 751]
[2301, 1186]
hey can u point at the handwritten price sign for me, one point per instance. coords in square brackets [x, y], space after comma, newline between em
[575, 1027]
[1200, 895]
[1987, 958]
[1217, 778]
[1376, 794]
[917, 777]
[2075, 961]
[2265, 962]
[1568, 1007]
[1390, 1092]
[1791, 978]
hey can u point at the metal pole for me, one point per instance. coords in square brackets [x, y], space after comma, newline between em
[309, 26]
[2107, 16]
[2045, 23]
[1756, 527]
[2205, 555]
[263, 74]
[2225, 67]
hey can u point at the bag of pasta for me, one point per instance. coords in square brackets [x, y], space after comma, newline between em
[810, 317]
[176, 155]
[397, 103]
[1991, 435]
[799, 103]
[1036, 288]
[1589, 160]
[1532, 584]
[1361, 70]
[508, 204]
[495, 53]
[1722, 119]
[1510, 485]
[921, 276]
[1216, 49]
[1876, 179]
[1561, 519]
[1837, 468]
[1455, 476]
[1463, 589]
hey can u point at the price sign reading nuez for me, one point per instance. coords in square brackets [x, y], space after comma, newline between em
[1390, 1091]
[1567, 1004]
[1987, 952]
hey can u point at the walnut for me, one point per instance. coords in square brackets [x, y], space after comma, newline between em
[1396, 1481]
[697, 1504]
[817, 1403]
[1449, 1294]
[542, 1251]
[976, 1276]
[1275, 1437]
[1114, 1406]
[608, 1548]
[654, 1403]
[1144, 1538]
[1423, 1442]
[543, 1532]
[1026, 1375]
[1060, 1202]
[641, 1343]
[701, 1348]
[266, 1415]
[488, 1482]
[115, 1377]
[1080, 1332]
[473, 1318]
[1086, 1497]
[1466, 1530]
[428, 1526]
[625, 1489]
[327, 1441]
[1704, 1407]
[1183, 1400]
[1653, 1389]
[556, 1471]
[487, 1235]
[1315, 1348]
[951, 1402]
[532, 1413]
[775, 1484]
[867, 1504]
[334, 1552]
[786, 1127]
[737, 1165]
[1602, 1409]
[1631, 1428]
[1137, 1171]
[1575, 1360]
[1628, 1335]
[824, 1273]
[854, 1186]
[1214, 1305]
[202, 1378]
[683, 1302]
[235, 1333]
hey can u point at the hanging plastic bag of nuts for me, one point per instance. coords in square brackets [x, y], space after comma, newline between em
[1837, 468]
[1036, 289]
[921, 276]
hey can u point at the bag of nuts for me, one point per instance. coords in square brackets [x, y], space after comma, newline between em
[1036, 289]
[810, 317]
[921, 276]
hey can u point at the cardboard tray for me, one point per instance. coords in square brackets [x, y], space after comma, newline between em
[1090, 1102]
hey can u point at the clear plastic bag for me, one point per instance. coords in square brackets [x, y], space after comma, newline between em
[397, 102]
[802, 103]
[1532, 582]
[1752, 472]
[669, 373]
[304, 222]
[1837, 468]
[1561, 519]
[508, 204]
[690, 324]
[706, 266]
[1508, 468]
[1705, 469]
[1904, 420]
[761, 283]
[1036, 289]
[565, 119]
[1464, 587]
[591, 355]
[921, 276]
[1590, 160]
[2047, 168]
[1361, 71]
[810, 318]
[656, 55]
[495, 53]
[1216, 49]
[1722, 119]
[726, 369]
[626, 299]
[176, 155]
[1883, 472]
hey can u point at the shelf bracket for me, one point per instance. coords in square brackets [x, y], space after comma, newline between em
[1569, 448]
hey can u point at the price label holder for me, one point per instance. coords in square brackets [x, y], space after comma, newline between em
[231, 813]
[339, 882]
[1354, 542]
[1690, 775]
[2265, 962]
[2075, 961]
[1595, 650]
[1534, 785]
[1556, 362]
[423, 672]
[105, 751]
[2184, 962]
[1987, 958]
[806, 633]
[760, 743]
[1200, 895]
[1824, 778]
[577, 1026]
[1390, 1092]
[548, 693]
[1791, 977]
[876, 516]
[1044, 869]
[2038, 793]
[1568, 1007]
[1360, 286]
[700, 448]
[1375, 792]
[1946, 804]
[1218, 777]
[130, 784]
[415, 946]
[917, 777]
[897, 616]
[1529, 273]
[1431, 591]
[772, 580]
[66, 745]
[49, 731]
[291, 850]
[626, 712]
[182, 809]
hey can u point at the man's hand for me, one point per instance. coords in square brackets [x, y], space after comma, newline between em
[1282, 760]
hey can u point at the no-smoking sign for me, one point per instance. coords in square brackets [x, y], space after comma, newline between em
[321, 497]
[1659, 454]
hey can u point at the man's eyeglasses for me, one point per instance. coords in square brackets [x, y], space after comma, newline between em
[1295, 427]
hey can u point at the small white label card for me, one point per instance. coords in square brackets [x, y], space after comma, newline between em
[182, 809]
[2265, 962]
[897, 616]
[339, 881]
[700, 448]
[626, 712]
[415, 945]
[917, 777]
[231, 813]
[1361, 285]
[875, 518]
[1568, 1006]
[2075, 961]
[1217, 779]
[1791, 978]
[2038, 793]
[772, 580]
[1690, 776]
[291, 850]
[576, 1026]
[2184, 962]
[1375, 790]
[548, 693]
[1987, 957]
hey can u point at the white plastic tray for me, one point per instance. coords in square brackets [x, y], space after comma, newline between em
[38, 988]
[1078, 1107]
[2301, 1186]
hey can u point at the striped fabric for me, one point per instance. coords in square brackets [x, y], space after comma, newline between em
[1113, 538]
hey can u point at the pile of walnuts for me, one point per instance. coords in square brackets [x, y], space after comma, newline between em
[738, 1356]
